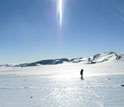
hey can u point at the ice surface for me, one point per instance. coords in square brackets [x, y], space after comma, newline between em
[61, 86]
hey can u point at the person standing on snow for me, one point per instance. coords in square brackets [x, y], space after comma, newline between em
[81, 73]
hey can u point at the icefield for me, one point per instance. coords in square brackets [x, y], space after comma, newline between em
[61, 86]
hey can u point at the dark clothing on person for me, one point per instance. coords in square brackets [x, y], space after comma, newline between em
[81, 73]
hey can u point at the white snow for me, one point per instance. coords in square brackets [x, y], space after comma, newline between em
[60, 85]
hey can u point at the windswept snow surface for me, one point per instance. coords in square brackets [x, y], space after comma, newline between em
[61, 86]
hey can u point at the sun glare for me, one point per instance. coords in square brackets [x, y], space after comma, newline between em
[60, 11]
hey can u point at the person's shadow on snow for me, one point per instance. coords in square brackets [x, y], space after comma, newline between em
[82, 78]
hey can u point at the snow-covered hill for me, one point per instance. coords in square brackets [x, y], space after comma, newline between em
[104, 57]
[44, 62]
[98, 58]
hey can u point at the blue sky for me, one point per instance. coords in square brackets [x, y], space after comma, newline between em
[30, 31]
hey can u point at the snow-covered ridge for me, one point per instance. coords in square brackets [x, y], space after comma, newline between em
[98, 58]
[45, 62]
[5, 65]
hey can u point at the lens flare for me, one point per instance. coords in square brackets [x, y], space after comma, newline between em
[60, 11]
